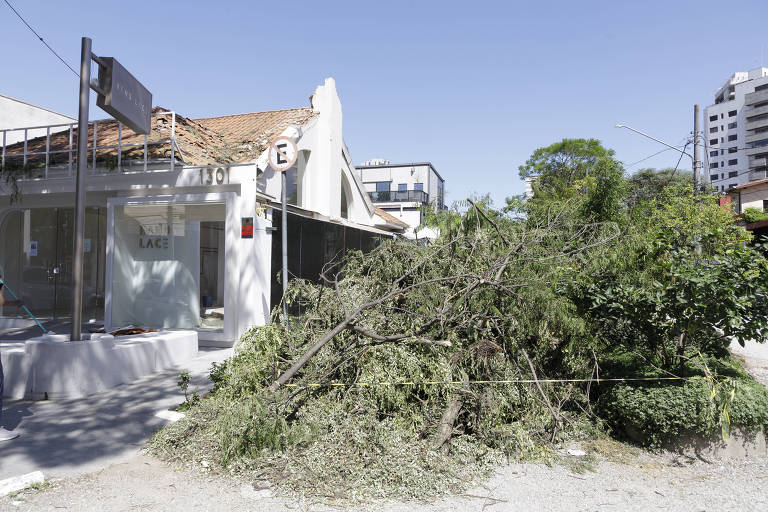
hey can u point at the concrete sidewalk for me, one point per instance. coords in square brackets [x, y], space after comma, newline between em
[70, 437]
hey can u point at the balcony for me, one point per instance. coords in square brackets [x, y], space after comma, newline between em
[758, 174]
[400, 196]
[755, 97]
[50, 152]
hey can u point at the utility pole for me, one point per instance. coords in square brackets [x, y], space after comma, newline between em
[696, 155]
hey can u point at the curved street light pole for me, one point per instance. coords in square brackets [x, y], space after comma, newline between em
[695, 160]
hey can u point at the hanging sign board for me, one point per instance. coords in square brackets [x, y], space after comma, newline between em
[282, 154]
[122, 96]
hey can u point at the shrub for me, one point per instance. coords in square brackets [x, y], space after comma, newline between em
[661, 414]
[754, 215]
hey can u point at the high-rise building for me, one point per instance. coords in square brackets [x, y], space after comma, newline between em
[736, 131]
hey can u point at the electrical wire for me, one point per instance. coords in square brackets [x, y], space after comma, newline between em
[41, 38]
[648, 157]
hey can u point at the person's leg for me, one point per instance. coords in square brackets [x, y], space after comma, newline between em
[5, 435]
[2, 379]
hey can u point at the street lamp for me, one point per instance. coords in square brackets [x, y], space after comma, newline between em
[619, 125]
[695, 160]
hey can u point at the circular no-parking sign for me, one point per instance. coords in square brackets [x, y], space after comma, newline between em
[282, 154]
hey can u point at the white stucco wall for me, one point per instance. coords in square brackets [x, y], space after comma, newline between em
[19, 114]
[753, 196]
[322, 163]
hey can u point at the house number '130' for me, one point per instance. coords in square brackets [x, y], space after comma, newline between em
[220, 176]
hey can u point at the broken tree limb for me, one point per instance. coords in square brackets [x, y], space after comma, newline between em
[445, 427]
[555, 415]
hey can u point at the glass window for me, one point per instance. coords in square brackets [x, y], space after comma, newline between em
[418, 186]
[732, 113]
[712, 142]
[713, 177]
[713, 129]
[732, 137]
[732, 150]
[731, 126]
[713, 165]
[382, 186]
[733, 161]
[713, 153]
[733, 174]
[402, 187]
[765, 205]
[168, 267]
[713, 118]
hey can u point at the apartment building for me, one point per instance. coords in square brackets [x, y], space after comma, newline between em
[736, 131]
[403, 190]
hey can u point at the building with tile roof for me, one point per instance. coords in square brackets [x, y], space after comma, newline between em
[182, 224]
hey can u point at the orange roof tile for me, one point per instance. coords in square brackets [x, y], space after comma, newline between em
[391, 219]
[206, 141]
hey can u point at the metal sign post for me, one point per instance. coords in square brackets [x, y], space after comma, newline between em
[282, 156]
[129, 102]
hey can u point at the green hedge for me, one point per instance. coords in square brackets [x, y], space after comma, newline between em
[656, 415]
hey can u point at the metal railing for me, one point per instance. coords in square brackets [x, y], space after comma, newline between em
[399, 196]
[44, 160]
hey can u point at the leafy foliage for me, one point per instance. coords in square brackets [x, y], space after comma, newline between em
[424, 362]
[754, 215]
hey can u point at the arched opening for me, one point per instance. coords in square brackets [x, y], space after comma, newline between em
[346, 197]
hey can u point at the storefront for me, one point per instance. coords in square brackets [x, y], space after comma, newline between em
[179, 228]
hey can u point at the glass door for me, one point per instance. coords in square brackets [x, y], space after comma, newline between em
[36, 258]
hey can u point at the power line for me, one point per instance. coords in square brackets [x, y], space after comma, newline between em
[648, 157]
[41, 38]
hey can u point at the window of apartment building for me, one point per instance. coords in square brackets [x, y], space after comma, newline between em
[382, 186]
[732, 149]
[733, 174]
[732, 137]
[765, 205]
[722, 139]
[732, 113]
[722, 152]
[712, 141]
[713, 153]
[731, 126]
[761, 87]
[713, 177]
[733, 161]
[418, 186]
[402, 187]
[713, 129]
[713, 165]
[713, 118]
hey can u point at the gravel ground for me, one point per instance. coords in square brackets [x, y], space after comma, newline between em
[634, 481]
[613, 477]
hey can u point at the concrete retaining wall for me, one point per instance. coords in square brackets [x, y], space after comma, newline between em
[52, 367]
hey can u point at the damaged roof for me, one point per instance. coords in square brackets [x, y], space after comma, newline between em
[205, 141]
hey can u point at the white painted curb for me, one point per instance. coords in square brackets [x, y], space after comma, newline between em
[18, 483]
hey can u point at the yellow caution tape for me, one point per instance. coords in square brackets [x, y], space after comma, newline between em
[478, 382]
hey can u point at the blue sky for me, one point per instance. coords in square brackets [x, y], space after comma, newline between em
[473, 87]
